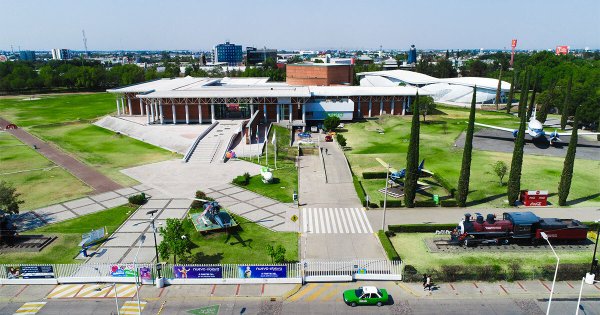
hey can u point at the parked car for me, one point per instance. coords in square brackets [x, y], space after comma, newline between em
[367, 295]
[304, 135]
[328, 138]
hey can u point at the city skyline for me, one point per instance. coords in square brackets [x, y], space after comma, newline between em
[317, 25]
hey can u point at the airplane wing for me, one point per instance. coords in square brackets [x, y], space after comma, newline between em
[495, 127]
[427, 172]
[560, 134]
[384, 164]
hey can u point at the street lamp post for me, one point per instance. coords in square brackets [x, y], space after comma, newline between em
[137, 288]
[594, 262]
[387, 176]
[545, 236]
[151, 213]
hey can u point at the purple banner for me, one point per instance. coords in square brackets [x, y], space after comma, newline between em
[262, 271]
[198, 272]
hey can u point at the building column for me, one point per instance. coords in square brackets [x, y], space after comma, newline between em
[118, 108]
[359, 114]
[187, 114]
[278, 110]
[151, 119]
[141, 107]
[160, 112]
[303, 115]
[129, 105]
[251, 110]
[123, 106]
[290, 107]
[147, 114]
[174, 114]
[199, 113]
[156, 110]
[212, 112]
[393, 111]
[381, 107]
[265, 112]
[370, 104]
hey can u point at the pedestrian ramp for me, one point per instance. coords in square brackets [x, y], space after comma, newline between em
[123, 290]
[29, 308]
[335, 220]
[131, 308]
[90, 291]
[321, 292]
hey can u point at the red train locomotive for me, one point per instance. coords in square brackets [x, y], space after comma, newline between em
[516, 227]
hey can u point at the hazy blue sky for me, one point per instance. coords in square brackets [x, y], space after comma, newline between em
[300, 24]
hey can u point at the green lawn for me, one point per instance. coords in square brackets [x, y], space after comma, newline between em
[246, 244]
[53, 109]
[286, 174]
[437, 139]
[102, 148]
[413, 251]
[66, 247]
[41, 182]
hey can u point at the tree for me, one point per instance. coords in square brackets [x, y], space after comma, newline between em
[565, 107]
[514, 178]
[331, 122]
[548, 99]
[567, 173]
[498, 89]
[175, 241]
[277, 253]
[511, 92]
[9, 204]
[465, 170]
[412, 158]
[426, 105]
[531, 106]
[341, 139]
[500, 169]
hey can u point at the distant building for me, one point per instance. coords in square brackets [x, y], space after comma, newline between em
[61, 54]
[230, 53]
[27, 55]
[412, 55]
[255, 56]
[318, 74]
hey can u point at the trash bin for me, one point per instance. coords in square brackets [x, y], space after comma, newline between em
[160, 283]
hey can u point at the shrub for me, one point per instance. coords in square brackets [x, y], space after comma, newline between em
[448, 203]
[565, 271]
[138, 199]
[514, 271]
[242, 180]
[331, 122]
[449, 273]
[374, 175]
[410, 274]
[425, 203]
[391, 203]
[420, 228]
[198, 204]
[340, 139]
[488, 273]
[387, 246]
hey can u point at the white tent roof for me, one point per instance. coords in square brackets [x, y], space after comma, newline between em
[415, 78]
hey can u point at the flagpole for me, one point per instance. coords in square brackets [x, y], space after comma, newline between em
[266, 148]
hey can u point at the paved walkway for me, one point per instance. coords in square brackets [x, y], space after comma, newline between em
[87, 174]
[75, 208]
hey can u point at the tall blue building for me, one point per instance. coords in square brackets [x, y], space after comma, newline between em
[27, 55]
[230, 53]
[412, 55]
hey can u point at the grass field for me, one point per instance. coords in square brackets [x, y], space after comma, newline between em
[38, 180]
[246, 244]
[66, 247]
[102, 148]
[286, 174]
[437, 139]
[413, 251]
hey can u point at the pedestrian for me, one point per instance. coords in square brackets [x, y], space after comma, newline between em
[428, 283]
[326, 150]
[424, 280]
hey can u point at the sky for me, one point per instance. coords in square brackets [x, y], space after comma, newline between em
[299, 24]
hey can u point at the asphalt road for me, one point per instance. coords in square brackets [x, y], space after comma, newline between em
[501, 141]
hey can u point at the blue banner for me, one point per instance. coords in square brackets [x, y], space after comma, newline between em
[30, 272]
[262, 271]
[198, 272]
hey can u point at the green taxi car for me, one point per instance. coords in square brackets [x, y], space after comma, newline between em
[366, 296]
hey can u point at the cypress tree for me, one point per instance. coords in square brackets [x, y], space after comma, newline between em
[543, 112]
[412, 158]
[511, 92]
[498, 90]
[532, 103]
[525, 94]
[465, 170]
[567, 173]
[514, 179]
[565, 107]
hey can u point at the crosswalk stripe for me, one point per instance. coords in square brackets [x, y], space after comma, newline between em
[359, 219]
[131, 308]
[349, 217]
[302, 292]
[345, 223]
[321, 221]
[304, 220]
[123, 290]
[334, 220]
[64, 291]
[337, 292]
[327, 223]
[30, 308]
[318, 292]
[94, 291]
[309, 220]
[366, 219]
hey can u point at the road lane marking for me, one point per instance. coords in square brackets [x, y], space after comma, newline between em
[302, 292]
[318, 292]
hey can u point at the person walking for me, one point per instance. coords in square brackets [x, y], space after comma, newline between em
[428, 283]
[326, 151]
[424, 280]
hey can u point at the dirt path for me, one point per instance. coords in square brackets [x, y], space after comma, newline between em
[98, 181]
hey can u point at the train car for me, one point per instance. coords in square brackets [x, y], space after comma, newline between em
[516, 227]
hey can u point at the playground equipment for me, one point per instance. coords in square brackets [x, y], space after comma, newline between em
[266, 174]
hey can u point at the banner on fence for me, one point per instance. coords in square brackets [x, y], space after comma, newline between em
[123, 270]
[92, 236]
[30, 272]
[197, 272]
[262, 271]
[145, 273]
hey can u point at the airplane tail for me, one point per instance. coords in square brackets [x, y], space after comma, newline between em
[422, 165]
[533, 115]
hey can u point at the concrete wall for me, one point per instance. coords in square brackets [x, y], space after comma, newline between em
[318, 74]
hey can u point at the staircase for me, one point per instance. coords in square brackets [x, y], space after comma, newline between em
[213, 146]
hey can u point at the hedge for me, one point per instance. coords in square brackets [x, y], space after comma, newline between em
[448, 203]
[442, 181]
[242, 180]
[420, 228]
[138, 199]
[391, 203]
[374, 175]
[387, 246]
[425, 203]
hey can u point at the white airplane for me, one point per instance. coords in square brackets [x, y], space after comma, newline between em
[536, 130]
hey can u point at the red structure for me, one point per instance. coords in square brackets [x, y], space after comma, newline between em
[513, 44]
[11, 126]
[318, 74]
[534, 198]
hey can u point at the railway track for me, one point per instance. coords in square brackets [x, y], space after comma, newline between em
[440, 245]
